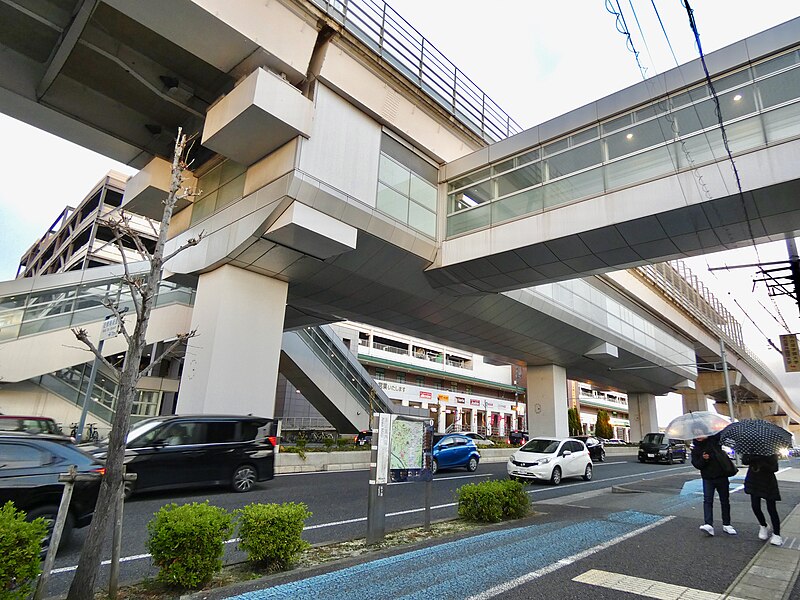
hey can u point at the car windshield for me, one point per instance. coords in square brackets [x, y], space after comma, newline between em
[653, 438]
[541, 446]
[141, 428]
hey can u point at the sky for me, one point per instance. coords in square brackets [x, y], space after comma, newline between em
[537, 60]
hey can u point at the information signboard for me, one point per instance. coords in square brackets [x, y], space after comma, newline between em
[791, 353]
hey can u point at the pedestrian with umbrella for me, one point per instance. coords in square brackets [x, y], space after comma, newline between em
[759, 442]
[715, 467]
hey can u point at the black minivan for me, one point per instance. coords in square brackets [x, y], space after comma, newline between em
[182, 451]
[659, 447]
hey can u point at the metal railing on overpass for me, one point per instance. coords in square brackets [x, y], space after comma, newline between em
[394, 40]
[677, 282]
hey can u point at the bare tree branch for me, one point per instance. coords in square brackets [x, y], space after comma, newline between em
[83, 336]
[120, 314]
[181, 338]
[187, 244]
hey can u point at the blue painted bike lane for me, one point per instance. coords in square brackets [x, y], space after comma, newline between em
[471, 566]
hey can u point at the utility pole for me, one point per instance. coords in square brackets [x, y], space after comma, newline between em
[725, 375]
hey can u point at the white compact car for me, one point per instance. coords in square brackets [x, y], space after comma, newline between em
[550, 459]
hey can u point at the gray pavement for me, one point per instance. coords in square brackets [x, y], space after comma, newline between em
[598, 544]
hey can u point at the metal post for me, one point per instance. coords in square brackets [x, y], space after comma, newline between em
[88, 397]
[725, 374]
[55, 536]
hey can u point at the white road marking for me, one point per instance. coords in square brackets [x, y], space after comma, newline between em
[515, 583]
[648, 588]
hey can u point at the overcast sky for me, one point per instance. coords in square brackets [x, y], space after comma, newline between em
[537, 60]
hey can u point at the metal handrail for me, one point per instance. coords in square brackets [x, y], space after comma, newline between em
[397, 42]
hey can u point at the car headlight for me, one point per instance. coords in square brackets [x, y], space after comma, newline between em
[544, 461]
[784, 452]
[662, 451]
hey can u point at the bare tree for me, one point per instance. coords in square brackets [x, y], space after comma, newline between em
[143, 288]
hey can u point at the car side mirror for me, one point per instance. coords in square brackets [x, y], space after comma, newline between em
[566, 453]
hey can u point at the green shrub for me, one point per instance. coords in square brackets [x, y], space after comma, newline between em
[491, 501]
[342, 443]
[328, 443]
[20, 544]
[187, 542]
[271, 533]
[301, 443]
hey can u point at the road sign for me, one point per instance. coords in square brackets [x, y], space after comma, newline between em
[110, 328]
[791, 353]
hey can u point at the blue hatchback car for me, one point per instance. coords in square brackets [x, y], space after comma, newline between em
[453, 451]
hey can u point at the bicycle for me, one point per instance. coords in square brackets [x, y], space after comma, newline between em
[73, 430]
[92, 434]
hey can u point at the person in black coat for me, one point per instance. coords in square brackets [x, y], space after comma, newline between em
[760, 482]
[706, 457]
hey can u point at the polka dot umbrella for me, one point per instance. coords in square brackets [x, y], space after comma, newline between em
[756, 436]
[700, 423]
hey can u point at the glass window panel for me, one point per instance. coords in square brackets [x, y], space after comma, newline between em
[696, 117]
[618, 123]
[782, 123]
[210, 181]
[393, 204]
[737, 103]
[531, 156]
[423, 192]
[647, 165]
[648, 112]
[554, 147]
[468, 220]
[777, 63]
[574, 160]
[505, 165]
[478, 194]
[394, 175]
[204, 207]
[565, 190]
[701, 148]
[584, 136]
[780, 88]
[519, 179]
[422, 219]
[524, 203]
[745, 134]
[732, 80]
[230, 192]
[12, 302]
[231, 170]
[468, 179]
[639, 137]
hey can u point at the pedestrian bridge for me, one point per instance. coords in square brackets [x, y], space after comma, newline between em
[637, 177]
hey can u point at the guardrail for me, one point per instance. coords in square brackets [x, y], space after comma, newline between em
[396, 41]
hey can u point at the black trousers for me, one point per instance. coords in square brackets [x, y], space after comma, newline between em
[755, 504]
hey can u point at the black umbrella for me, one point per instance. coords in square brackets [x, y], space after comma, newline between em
[756, 436]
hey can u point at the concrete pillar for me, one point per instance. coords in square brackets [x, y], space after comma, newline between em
[547, 401]
[694, 400]
[488, 422]
[501, 430]
[442, 424]
[643, 415]
[231, 366]
[473, 419]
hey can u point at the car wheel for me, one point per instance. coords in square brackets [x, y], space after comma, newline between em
[49, 514]
[641, 460]
[244, 478]
[683, 460]
[587, 474]
[472, 465]
[602, 456]
[127, 489]
[434, 467]
[555, 478]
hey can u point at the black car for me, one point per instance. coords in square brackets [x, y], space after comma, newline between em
[594, 445]
[517, 438]
[364, 438]
[182, 451]
[659, 447]
[29, 468]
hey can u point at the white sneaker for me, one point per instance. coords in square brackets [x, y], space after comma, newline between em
[709, 529]
[776, 540]
[729, 529]
[763, 532]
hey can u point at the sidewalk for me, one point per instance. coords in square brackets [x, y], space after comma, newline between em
[774, 570]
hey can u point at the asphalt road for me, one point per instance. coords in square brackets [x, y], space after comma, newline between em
[338, 501]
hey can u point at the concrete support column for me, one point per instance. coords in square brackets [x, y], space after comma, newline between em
[694, 400]
[489, 423]
[442, 425]
[643, 415]
[232, 365]
[547, 401]
[473, 419]
[501, 430]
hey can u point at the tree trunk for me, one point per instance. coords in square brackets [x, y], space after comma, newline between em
[84, 581]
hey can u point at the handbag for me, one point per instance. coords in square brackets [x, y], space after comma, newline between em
[728, 468]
